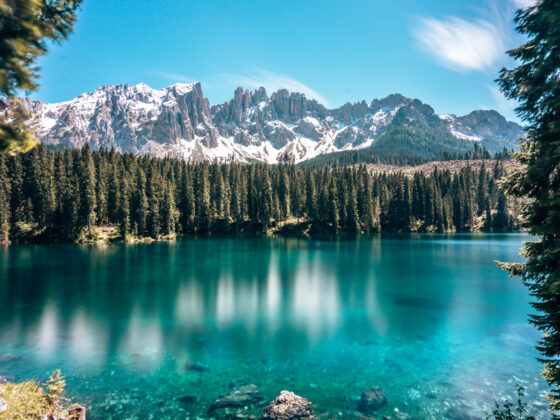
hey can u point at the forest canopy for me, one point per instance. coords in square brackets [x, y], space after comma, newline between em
[53, 195]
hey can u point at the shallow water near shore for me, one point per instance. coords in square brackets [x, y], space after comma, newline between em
[428, 318]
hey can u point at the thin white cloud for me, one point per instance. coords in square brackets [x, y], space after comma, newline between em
[272, 82]
[523, 4]
[461, 45]
[504, 105]
[178, 78]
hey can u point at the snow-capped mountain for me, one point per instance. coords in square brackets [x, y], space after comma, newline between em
[178, 121]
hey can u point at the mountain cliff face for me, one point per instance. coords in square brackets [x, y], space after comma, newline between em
[178, 121]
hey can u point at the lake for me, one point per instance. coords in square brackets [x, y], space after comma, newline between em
[134, 328]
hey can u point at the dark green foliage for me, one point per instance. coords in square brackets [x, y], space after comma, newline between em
[412, 146]
[535, 84]
[510, 412]
[53, 195]
[5, 190]
[420, 141]
[25, 28]
[353, 157]
[86, 181]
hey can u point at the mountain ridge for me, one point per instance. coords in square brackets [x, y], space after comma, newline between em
[179, 121]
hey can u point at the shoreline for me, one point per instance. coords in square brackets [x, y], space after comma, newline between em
[296, 228]
[245, 234]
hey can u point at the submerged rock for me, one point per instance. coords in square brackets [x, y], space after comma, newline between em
[187, 400]
[77, 413]
[240, 397]
[372, 399]
[191, 366]
[232, 414]
[460, 413]
[288, 406]
[9, 358]
[344, 414]
[398, 416]
[239, 381]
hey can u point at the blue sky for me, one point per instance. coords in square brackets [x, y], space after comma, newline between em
[446, 53]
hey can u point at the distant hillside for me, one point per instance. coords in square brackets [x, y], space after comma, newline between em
[453, 166]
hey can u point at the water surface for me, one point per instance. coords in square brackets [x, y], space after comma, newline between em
[430, 319]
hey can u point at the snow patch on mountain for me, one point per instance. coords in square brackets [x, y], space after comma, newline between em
[178, 121]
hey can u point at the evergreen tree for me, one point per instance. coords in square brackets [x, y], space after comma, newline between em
[500, 222]
[284, 193]
[332, 207]
[186, 202]
[153, 192]
[52, 195]
[488, 220]
[5, 191]
[535, 84]
[124, 209]
[266, 202]
[140, 207]
[113, 194]
[87, 184]
[353, 220]
[25, 28]
[101, 187]
[203, 199]
[169, 212]
[311, 194]
[482, 190]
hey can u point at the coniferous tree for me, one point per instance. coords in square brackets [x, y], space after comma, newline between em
[266, 205]
[500, 221]
[140, 207]
[186, 202]
[535, 84]
[332, 207]
[482, 190]
[353, 221]
[284, 193]
[124, 209]
[488, 220]
[168, 196]
[203, 199]
[113, 194]
[153, 191]
[86, 170]
[311, 194]
[101, 188]
[5, 191]
[169, 212]
[25, 28]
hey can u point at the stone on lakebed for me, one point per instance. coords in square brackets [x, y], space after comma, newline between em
[9, 358]
[191, 366]
[77, 413]
[372, 399]
[240, 397]
[289, 406]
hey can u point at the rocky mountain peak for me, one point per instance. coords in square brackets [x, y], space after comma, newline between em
[178, 121]
[392, 101]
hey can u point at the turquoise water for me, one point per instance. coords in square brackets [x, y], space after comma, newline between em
[430, 319]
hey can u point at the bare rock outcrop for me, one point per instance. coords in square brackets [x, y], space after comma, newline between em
[178, 121]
